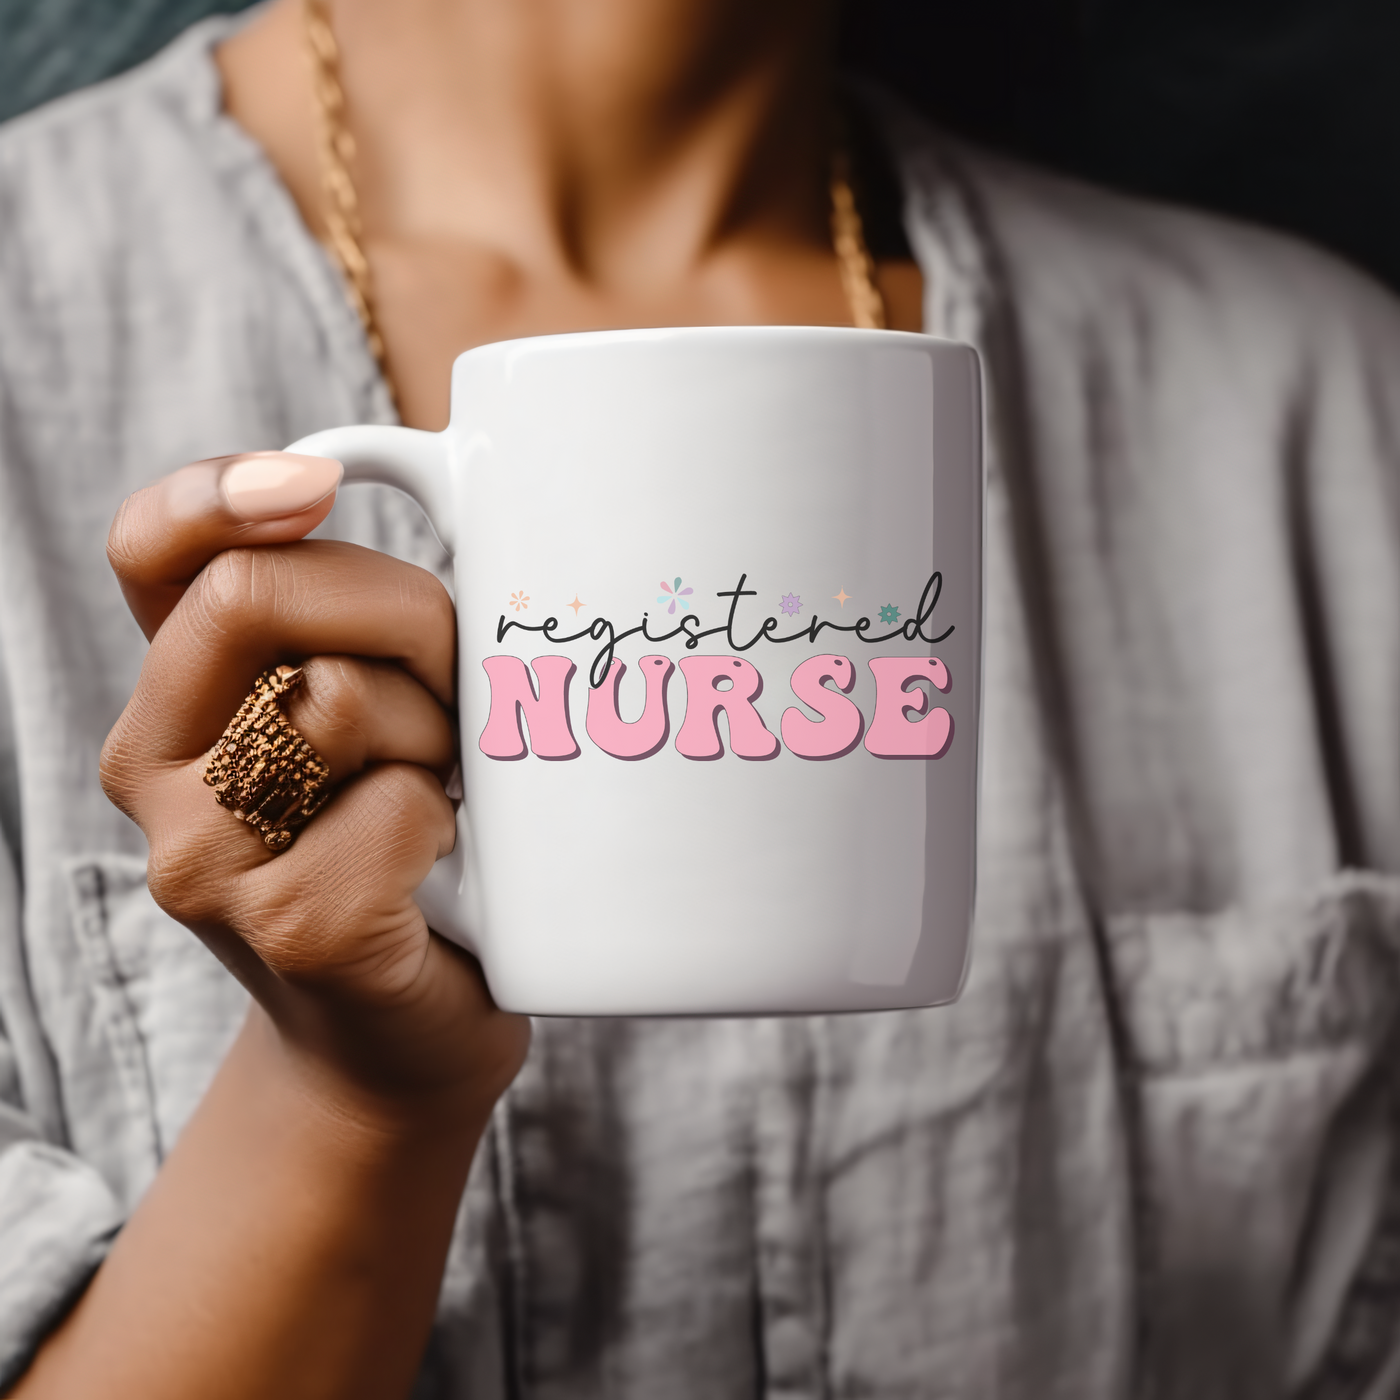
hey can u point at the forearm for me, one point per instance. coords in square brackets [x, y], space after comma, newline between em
[292, 1245]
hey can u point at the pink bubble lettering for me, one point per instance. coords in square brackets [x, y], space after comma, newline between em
[639, 738]
[898, 696]
[546, 715]
[699, 732]
[839, 729]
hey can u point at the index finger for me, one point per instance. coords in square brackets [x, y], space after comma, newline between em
[165, 534]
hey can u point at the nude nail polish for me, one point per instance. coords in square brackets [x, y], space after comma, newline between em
[271, 485]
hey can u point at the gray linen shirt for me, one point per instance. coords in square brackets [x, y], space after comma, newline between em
[1151, 1150]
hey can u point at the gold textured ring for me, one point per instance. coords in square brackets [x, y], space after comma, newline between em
[262, 770]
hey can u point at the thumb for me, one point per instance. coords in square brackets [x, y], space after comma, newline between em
[164, 535]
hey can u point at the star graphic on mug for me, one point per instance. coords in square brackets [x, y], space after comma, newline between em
[889, 613]
[520, 600]
[674, 595]
[842, 597]
[576, 605]
[791, 604]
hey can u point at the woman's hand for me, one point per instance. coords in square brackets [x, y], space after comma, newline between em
[326, 935]
[294, 1240]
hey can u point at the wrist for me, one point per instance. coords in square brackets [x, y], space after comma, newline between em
[429, 1060]
[368, 1114]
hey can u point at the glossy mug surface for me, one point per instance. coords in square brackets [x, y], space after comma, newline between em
[719, 601]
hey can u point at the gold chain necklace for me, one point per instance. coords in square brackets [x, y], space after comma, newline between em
[341, 203]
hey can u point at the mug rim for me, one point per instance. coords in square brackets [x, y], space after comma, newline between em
[633, 335]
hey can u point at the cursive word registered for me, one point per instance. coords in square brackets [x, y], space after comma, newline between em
[919, 627]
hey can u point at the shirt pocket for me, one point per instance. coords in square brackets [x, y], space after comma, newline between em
[163, 1012]
[1260, 1047]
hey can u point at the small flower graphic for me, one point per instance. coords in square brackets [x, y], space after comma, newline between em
[674, 595]
[791, 604]
[889, 613]
[520, 600]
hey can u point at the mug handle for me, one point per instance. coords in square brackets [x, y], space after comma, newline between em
[418, 464]
[415, 462]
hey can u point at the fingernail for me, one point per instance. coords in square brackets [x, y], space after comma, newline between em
[270, 485]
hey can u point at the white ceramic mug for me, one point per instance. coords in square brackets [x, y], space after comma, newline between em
[719, 601]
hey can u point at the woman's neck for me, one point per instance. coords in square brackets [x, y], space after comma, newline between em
[565, 163]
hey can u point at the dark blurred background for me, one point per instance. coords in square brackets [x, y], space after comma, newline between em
[1282, 111]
